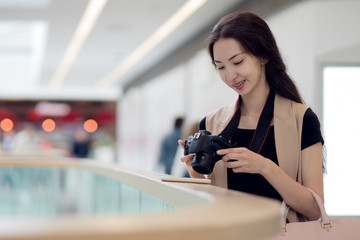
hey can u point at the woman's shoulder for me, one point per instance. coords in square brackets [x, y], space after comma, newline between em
[310, 118]
[311, 130]
[283, 106]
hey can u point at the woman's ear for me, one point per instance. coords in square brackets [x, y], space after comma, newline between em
[264, 60]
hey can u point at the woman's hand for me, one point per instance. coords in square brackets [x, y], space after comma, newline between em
[188, 159]
[243, 160]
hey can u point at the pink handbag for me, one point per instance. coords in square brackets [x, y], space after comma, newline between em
[341, 228]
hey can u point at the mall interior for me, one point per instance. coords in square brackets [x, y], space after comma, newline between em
[90, 88]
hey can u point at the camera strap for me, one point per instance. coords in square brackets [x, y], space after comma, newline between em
[232, 125]
[263, 125]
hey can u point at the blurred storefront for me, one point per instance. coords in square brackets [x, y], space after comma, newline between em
[49, 127]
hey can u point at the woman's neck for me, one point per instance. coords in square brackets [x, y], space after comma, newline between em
[253, 104]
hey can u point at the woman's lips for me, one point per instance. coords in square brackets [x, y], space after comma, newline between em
[239, 85]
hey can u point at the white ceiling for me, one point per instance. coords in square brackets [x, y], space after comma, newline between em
[34, 35]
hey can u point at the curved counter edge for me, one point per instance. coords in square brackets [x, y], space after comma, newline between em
[205, 211]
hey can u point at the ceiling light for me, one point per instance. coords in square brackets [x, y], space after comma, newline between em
[87, 22]
[160, 34]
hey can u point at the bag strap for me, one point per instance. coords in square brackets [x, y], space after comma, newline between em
[325, 219]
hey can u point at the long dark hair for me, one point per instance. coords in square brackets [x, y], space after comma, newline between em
[256, 37]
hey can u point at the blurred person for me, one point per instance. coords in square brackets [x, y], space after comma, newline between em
[81, 144]
[103, 146]
[169, 146]
[289, 159]
[179, 169]
[26, 139]
[45, 142]
[8, 140]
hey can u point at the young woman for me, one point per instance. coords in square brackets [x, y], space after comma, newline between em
[289, 161]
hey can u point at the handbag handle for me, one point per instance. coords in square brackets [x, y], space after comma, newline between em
[325, 220]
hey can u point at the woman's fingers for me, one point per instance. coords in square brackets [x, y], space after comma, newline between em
[187, 159]
[230, 150]
[242, 160]
[181, 143]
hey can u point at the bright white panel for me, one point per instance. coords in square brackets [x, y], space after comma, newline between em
[342, 129]
[22, 47]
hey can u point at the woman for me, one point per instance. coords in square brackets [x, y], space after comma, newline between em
[244, 52]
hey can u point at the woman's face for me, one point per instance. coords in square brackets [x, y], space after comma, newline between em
[240, 70]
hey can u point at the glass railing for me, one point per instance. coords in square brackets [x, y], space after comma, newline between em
[51, 192]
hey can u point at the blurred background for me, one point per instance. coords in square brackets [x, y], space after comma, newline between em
[105, 80]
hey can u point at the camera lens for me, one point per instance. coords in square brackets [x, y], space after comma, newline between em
[203, 164]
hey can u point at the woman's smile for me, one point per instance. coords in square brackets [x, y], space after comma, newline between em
[239, 85]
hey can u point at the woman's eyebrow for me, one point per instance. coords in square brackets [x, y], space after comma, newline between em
[217, 61]
[234, 56]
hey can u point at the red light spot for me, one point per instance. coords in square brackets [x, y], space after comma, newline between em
[49, 125]
[90, 125]
[6, 125]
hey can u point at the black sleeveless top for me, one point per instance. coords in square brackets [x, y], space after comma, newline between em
[256, 183]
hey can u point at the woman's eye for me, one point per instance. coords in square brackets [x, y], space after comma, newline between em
[237, 63]
[220, 68]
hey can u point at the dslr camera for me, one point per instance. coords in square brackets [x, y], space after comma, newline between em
[204, 146]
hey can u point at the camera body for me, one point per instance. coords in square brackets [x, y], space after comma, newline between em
[204, 146]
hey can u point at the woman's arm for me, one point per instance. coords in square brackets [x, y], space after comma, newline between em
[294, 194]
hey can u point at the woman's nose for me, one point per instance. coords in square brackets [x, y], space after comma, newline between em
[230, 73]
